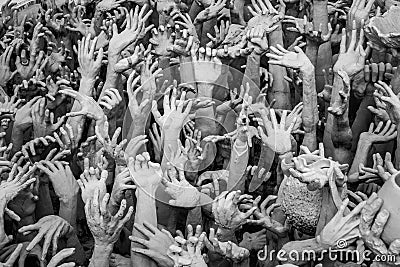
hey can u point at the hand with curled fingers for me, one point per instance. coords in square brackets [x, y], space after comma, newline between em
[145, 174]
[372, 223]
[228, 249]
[60, 257]
[381, 170]
[5, 69]
[49, 228]
[90, 180]
[225, 209]
[62, 179]
[89, 107]
[258, 39]
[43, 120]
[220, 33]
[104, 226]
[210, 12]
[33, 148]
[265, 14]
[183, 194]
[296, 59]
[343, 226]
[122, 183]
[110, 100]
[155, 242]
[390, 99]
[384, 132]
[306, 28]
[162, 40]
[13, 257]
[262, 216]
[108, 144]
[23, 119]
[188, 252]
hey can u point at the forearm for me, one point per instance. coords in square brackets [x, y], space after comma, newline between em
[205, 117]
[361, 156]
[44, 204]
[145, 212]
[101, 255]
[312, 52]
[171, 137]
[280, 88]
[68, 209]
[238, 165]
[252, 74]
[310, 109]
[77, 123]
[17, 139]
[324, 59]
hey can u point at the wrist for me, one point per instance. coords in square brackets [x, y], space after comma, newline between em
[307, 68]
[103, 247]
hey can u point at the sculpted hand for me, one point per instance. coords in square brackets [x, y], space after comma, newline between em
[263, 217]
[50, 228]
[43, 120]
[89, 66]
[155, 243]
[145, 174]
[5, 72]
[104, 227]
[135, 27]
[174, 116]
[277, 136]
[182, 192]
[90, 107]
[226, 210]
[285, 58]
[341, 226]
[351, 61]
[391, 100]
[62, 179]
[372, 224]
[192, 255]
[306, 28]
[89, 181]
[381, 133]
[207, 67]
[122, 182]
[210, 12]
[61, 256]
[227, 249]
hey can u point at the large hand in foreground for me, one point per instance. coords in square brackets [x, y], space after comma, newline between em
[50, 228]
[373, 220]
[156, 243]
